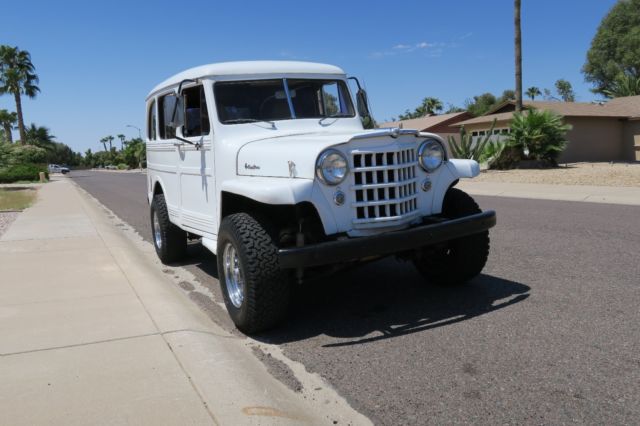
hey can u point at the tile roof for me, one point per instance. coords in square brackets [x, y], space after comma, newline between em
[423, 123]
[626, 107]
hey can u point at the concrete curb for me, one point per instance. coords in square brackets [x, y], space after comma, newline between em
[582, 193]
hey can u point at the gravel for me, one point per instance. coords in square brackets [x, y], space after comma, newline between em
[6, 219]
[600, 174]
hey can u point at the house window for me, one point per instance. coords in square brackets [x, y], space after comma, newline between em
[496, 131]
[474, 133]
[196, 118]
[151, 121]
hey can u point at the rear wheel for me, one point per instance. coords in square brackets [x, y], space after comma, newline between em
[256, 291]
[169, 240]
[457, 261]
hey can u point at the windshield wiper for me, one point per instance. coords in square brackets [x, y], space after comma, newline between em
[333, 116]
[248, 120]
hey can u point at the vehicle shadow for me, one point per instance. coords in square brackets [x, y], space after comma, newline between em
[201, 258]
[387, 299]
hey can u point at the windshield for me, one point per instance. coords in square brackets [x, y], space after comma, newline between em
[282, 99]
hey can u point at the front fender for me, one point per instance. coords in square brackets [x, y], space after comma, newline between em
[269, 190]
[283, 191]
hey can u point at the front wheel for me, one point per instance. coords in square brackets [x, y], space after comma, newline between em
[457, 261]
[256, 291]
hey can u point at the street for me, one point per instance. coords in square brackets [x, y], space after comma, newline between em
[548, 334]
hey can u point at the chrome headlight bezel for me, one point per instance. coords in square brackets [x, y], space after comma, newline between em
[323, 167]
[426, 150]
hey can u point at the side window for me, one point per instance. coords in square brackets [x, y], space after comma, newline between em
[166, 104]
[330, 98]
[196, 121]
[151, 121]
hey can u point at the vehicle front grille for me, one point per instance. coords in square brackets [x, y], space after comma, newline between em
[385, 186]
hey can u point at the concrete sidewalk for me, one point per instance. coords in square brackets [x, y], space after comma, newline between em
[92, 332]
[590, 194]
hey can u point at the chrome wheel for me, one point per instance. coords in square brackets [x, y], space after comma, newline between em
[157, 234]
[233, 275]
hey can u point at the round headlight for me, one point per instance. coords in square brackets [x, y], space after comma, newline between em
[430, 155]
[332, 167]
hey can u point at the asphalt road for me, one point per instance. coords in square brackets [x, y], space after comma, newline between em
[549, 334]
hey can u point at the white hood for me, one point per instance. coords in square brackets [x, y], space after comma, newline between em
[286, 156]
[295, 155]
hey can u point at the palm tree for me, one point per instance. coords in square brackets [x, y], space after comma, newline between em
[104, 141]
[109, 139]
[18, 77]
[518, 52]
[532, 92]
[40, 136]
[8, 121]
[431, 105]
[624, 85]
[121, 137]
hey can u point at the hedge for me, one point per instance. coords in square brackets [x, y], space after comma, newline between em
[21, 172]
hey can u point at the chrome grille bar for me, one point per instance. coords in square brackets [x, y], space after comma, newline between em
[385, 186]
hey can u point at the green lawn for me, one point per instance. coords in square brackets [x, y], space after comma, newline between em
[16, 198]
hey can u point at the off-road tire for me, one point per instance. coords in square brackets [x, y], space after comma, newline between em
[267, 288]
[457, 261]
[174, 239]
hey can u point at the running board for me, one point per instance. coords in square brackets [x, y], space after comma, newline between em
[209, 244]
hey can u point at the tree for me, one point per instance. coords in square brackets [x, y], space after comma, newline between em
[17, 77]
[615, 49]
[39, 136]
[428, 106]
[110, 139]
[624, 85]
[88, 160]
[532, 92]
[122, 138]
[451, 109]
[565, 90]
[104, 141]
[8, 121]
[518, 54]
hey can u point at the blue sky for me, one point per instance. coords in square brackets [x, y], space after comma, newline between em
[98, 60]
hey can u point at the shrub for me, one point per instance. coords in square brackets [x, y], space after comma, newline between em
[21, 172]
[122, 166]
[538, 135]
[27, 154]
[467, 148]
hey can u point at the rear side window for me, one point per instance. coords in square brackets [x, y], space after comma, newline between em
[196, 117]
[151, 121]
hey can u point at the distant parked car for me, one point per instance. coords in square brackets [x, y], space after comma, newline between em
[111, 167]
[54, 168]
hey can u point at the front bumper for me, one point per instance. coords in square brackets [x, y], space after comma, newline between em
[384, 244]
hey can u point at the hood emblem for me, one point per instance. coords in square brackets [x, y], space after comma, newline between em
[292, 169]
[251, 166]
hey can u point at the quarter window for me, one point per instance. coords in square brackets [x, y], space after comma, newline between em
[151, 121]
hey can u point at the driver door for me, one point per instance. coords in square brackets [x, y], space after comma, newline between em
[195, 165]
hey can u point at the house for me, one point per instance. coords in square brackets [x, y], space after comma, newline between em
[443, 125]
[600, 131]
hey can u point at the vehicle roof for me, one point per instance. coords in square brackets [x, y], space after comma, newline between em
[248, 68]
